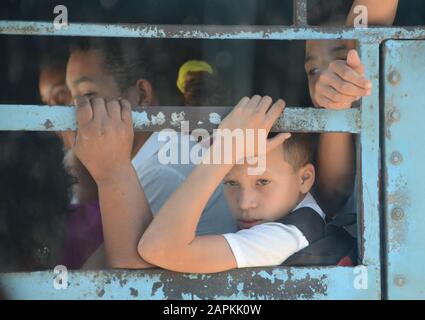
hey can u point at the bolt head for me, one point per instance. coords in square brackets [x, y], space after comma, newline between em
[396, 158]
[397, 213]
[394, 77]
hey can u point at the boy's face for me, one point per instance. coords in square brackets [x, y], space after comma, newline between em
[319, 54]
[267, 197]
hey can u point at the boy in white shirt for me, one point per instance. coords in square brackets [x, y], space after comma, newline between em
[275, 212]
[277, 215]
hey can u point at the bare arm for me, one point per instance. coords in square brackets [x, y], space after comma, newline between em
[125, 216]
[336, 164]
[335, 176]
[103, 144]
[170, 241]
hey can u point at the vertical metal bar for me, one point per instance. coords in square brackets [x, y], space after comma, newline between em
[300, 13]
[369, 205]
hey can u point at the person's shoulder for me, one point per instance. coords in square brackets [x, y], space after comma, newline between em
[307, 220]
[310, 204]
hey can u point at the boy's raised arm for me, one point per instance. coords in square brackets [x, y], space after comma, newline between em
[170, 241]
[103, 144]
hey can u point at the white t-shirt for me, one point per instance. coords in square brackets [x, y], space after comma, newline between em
[149, 148]
[271, 243]
[160, 181]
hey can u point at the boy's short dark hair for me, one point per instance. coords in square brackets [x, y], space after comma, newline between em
[298, 150]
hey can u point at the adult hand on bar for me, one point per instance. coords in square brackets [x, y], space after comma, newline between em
[104, 137]
[342, 83]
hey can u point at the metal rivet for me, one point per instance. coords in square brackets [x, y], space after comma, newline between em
[396, 158]
[395, 115]
[397, 213]
[394, 77]
[399, 280]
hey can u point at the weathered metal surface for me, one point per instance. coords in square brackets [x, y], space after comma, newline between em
[369, 168]
[371, 34]
[403, 164]
[44, 118]
[253, 283]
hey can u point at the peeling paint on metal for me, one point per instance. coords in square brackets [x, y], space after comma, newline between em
[177, 118]
[58, 118]
[371, 34]
[214, 118]
[158, 119]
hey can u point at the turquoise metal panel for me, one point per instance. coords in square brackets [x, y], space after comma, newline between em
[45, 118]
[253, 283]
[404, 178]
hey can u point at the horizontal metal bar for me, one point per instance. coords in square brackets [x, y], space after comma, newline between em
[247, 283]
[58, 118]
[371, 34]
[300, 12]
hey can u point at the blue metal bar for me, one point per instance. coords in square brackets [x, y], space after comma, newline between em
[253, 283]
[371, 34]
[370, 209]
[57, 118]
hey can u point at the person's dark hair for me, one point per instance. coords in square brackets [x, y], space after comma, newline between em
[35, 191]
[127, 60]
[204, 89]
[57, 58]
[299, 149]
[328, 12]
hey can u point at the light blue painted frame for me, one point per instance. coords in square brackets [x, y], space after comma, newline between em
[269, 283]
[403, 170]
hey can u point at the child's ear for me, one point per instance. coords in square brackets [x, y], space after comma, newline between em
[306, 178]
[145, 93]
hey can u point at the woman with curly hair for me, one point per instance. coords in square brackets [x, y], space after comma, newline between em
[38, 227]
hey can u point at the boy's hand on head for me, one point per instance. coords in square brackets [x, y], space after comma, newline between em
[256, 113]
[104, 138]
[342, 83]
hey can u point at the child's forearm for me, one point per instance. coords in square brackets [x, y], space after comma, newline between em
[175, 224]
[125, 216]
[380, 12]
